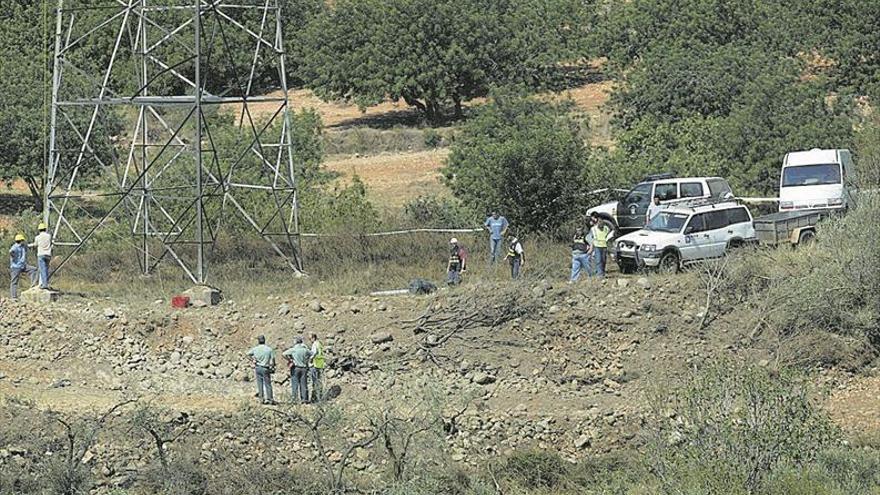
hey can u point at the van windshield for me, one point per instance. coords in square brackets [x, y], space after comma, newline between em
[811, 175]
[667, 222]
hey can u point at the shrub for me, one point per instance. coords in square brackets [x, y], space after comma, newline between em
[523, 157]
[434, 211]
[536, 469]
[727, 427]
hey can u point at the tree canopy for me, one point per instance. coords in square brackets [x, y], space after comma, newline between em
[522, 157]
[436, 53]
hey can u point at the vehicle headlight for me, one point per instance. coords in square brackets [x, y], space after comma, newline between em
[648, 247]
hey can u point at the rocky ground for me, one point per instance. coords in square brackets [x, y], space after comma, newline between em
[537, 365]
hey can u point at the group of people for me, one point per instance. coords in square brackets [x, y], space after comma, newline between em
[497, 227]
[589, 250]
[18, 264]
[305, 364]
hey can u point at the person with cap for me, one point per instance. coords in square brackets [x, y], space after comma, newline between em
[316, 367]
[43, 244]
[18, 265]
[263, 358]
[497, 227]
[298, 361]
[581, 250]
[457, 263]
[516, 257]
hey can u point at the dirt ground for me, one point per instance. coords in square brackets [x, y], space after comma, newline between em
[394, 179]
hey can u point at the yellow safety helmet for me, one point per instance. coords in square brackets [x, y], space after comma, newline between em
[42, 226]
[19, 237]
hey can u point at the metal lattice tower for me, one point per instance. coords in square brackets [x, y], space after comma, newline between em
[193, 158]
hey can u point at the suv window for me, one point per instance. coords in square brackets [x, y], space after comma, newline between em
[691, 190]
[696, 224]
[640, 195]
[666, 192]
[716, 219]
[738, 215]
[718, 187]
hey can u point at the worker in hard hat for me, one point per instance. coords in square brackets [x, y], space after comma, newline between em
[18, 265]
[43, 244]
[457, 262]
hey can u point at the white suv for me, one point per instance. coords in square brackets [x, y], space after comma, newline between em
[629, 213]
[682, 234]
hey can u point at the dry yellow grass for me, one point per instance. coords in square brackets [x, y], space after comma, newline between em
[394, 179]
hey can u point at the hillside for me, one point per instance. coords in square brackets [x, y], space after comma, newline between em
[572, 368]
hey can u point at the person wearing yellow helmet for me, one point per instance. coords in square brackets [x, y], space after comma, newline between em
[43, 244]
[18, 265]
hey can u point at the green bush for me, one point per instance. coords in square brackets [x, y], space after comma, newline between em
[729, 426]
[536, 469]
[434, 211]
[522, 157]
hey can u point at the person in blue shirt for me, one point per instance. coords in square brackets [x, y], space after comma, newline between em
[18, 265]
[497, 227]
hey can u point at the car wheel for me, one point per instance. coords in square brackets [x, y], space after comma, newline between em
[627, 267]
[669, 263]
[806, 238]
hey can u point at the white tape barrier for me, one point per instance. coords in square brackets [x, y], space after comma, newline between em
[400, 232]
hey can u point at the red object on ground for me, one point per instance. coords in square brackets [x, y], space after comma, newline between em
[179, 302]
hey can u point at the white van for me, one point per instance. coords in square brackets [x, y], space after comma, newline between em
[817, 179]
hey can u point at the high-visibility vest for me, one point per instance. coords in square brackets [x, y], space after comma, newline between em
[454, 259]
[318, 360]
[600, 236]
[511, 252]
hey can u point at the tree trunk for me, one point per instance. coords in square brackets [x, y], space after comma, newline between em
[36, 190]
[458, 110]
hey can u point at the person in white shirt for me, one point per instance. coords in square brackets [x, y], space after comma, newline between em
[653, 209]
[43, 243]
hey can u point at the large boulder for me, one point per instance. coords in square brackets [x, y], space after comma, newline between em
[39, 296]
[203, 295]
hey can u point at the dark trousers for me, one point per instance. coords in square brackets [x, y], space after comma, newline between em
[299, 384]
[515, 265]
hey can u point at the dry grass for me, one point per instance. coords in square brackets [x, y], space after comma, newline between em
[394, 179]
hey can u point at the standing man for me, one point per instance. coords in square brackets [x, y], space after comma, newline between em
[581, 250]
[316, 367]
[497, 227]
[653, 209]
[263, 358]
[601, 233]
[516, 257]
[18, 265]
[298, 360]
[43, 243]
[457, 263]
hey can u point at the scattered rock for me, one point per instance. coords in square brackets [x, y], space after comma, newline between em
[39, 296]
[109, 313]
[316, 306]
[583, 442]
[283, 310]
[381, 338]
[481, 378]
[643, 282]
[622, 282]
